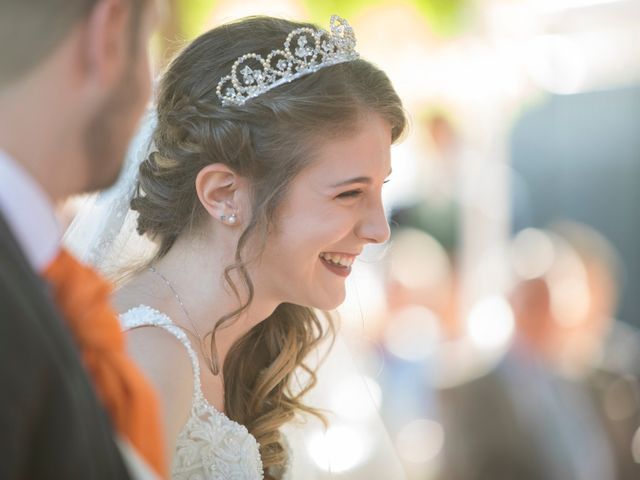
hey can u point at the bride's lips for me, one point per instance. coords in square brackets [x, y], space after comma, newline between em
[340, 270]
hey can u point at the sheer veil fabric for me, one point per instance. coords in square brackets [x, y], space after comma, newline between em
[103, 232]
[355, 445]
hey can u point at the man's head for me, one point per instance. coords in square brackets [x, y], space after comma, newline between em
[79, 70]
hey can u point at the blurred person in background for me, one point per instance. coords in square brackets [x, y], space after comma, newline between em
[527, 418]
[420, 325]
[424, 347]
[74, 80]
[601, 349]
[420, 316]
[598, 339]
[435, 207]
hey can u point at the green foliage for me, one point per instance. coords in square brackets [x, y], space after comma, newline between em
[446, 17]
[321, 10]
[192, 16]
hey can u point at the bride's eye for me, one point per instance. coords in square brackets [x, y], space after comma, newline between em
[350, 194]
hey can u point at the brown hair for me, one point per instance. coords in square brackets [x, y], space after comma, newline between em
[269, 140]
[31, 30]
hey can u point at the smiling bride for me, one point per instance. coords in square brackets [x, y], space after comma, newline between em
[261, 188]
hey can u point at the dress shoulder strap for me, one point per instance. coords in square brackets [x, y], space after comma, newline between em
[144, 316]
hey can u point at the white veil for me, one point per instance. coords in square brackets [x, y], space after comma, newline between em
[356, 444]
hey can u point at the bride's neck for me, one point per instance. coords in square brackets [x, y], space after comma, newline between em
[194, 267]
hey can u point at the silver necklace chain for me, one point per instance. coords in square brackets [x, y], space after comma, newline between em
[175, 294]
[211, 364]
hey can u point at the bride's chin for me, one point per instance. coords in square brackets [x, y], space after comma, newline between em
[331, 302]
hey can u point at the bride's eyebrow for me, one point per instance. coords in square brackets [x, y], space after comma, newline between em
[363, 179]
[366, 180]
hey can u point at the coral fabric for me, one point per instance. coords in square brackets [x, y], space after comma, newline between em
[83, 298]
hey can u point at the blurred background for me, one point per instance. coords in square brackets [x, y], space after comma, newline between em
[496, 335]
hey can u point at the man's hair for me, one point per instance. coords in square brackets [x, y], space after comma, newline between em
[31, 30]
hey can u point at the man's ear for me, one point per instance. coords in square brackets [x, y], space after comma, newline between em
[219, 190]
[107, 42]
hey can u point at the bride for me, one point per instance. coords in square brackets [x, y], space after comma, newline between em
[263, 185]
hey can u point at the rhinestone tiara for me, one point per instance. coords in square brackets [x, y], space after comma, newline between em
[305, 51]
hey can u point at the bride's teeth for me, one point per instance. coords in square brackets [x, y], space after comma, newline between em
[337, 259]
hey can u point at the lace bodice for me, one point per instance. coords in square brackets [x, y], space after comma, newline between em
[210, 446]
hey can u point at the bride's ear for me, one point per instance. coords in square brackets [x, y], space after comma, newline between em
[220, 191]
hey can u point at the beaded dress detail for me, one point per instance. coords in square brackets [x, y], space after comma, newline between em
[210, 446]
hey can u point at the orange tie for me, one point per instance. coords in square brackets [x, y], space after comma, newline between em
[83, 298]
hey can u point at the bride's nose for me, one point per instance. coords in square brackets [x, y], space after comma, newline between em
[374, 227]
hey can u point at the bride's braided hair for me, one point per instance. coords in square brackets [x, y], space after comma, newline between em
[269, 141]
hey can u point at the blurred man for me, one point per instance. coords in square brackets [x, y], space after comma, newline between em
[74, 80]
[532, 417]
[603, 350]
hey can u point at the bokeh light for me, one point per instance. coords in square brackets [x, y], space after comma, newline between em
[532, 253]
[338, 449]
[356, 398]
[420, 441]
[490, 323]
[412, 334]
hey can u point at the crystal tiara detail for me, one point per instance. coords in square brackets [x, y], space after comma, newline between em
[306, 50]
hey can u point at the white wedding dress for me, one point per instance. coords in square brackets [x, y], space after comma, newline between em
[210, 446]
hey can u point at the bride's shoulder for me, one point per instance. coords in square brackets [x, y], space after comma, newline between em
[166, 363]
[158, 351]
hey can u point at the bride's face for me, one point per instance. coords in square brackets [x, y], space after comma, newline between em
[332, 210]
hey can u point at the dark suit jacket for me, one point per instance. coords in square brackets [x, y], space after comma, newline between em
[484, 437]
[51, 423]
[491, 435]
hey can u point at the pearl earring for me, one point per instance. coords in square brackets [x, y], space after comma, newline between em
[231, 219]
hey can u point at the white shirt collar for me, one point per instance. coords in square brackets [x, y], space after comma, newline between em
[29, 212]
